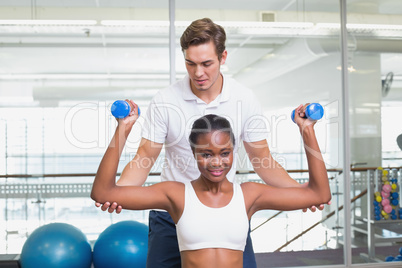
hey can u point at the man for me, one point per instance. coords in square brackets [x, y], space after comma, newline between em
[205, 90]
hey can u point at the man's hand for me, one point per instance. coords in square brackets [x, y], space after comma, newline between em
[109, 208]
[314, 208]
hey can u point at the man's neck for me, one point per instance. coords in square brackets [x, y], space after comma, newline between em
[210, 94]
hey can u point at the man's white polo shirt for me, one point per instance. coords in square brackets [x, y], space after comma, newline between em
[173, 110]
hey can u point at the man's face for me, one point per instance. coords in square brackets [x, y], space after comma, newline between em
[203, 66]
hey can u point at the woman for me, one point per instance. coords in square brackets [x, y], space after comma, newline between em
[211, 213]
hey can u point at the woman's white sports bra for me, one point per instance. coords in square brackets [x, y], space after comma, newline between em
[201, 226]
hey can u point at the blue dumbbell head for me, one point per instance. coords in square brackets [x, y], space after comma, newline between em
[121, 109]
[293, 116]
[389, 258]
[314, 111]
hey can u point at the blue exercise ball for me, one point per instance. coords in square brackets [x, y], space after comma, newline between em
[56, 245]
[121, 245]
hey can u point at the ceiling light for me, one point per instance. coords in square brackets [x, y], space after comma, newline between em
[374, 26]
[136, 23]
[48, 22]
[356, 26]
[18, 99]
[253, 24]
[351, 69]
[328, 25]
[81, 76]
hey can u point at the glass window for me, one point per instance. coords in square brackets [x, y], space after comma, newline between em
[288, 54]
[62, 68]
[374, 39]
[64, 65]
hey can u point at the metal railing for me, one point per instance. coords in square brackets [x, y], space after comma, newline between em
[37, 189]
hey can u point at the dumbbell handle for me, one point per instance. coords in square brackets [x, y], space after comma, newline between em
[121, 109]
[314, 111]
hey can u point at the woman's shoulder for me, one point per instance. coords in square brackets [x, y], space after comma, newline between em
[248, 184]
[252, 187]
[172, 186]
[175, 184]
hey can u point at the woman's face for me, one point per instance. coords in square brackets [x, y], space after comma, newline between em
[214, 155]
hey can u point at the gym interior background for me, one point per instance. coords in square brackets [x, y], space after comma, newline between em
[63, 63]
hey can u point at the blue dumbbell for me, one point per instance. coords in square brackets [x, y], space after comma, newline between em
[389, 258]
[314, 111]
[121, 109]
[377, 211]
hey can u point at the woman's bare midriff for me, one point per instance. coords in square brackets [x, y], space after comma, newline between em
[212, 258]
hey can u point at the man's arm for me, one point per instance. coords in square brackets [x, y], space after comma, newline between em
[141, 165]
[267, 168]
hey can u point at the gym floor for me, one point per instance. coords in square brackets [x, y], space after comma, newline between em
[320, 257]
[280, 259]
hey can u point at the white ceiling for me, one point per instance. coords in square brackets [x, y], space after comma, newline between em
[47, 64]
[383, 6]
